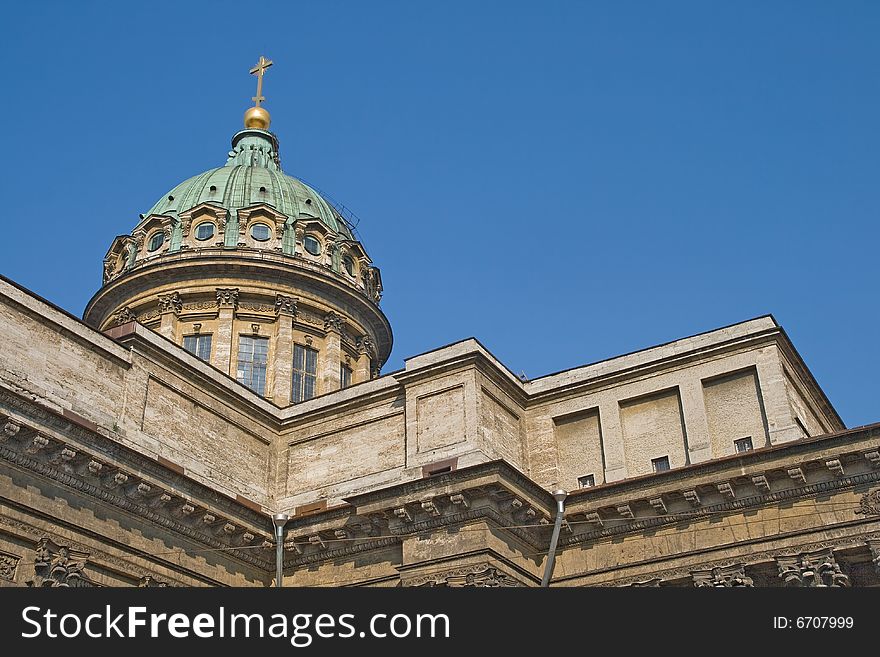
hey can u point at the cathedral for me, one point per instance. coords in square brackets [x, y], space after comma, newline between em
[221, 404]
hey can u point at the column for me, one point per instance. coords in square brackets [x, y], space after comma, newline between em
[285, 315]
[771, 380]
[612, 441]
[170, 306]
[366, 353]
[227, 302]
[331, 354]
[696, 425]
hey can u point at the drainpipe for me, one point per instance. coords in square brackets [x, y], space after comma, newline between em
[279, 520]
[559, 495]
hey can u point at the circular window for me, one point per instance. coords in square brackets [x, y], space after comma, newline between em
[260, 232]
[348, 263]
[312, 245]
[205, 231]
[156, 241]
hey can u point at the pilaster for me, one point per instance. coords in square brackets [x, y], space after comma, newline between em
[331, 354]
[285, 315]
[227, 302]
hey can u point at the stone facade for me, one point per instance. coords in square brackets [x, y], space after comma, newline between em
[436, 475]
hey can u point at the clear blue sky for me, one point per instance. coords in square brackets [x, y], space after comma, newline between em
[566, 181]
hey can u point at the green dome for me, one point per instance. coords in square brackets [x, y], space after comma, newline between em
[252, 175]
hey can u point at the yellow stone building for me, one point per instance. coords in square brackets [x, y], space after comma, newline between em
[228, 369]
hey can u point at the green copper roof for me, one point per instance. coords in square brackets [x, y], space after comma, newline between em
[252, 175]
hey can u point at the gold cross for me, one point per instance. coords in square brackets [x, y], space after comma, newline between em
[258, 70]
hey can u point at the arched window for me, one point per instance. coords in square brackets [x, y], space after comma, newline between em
[204, 231]
[312, 245]
[260, 232]
[348, 263]
[156, 241]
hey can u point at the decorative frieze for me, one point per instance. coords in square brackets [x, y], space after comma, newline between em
[481, 576]
[869, 504]
[8, 566]
[150, 582]
[813, 569]
[725, 577]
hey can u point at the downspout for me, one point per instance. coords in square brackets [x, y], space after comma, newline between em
[279, 520]
[559, 495]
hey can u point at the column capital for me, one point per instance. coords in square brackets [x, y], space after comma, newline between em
[285, 305]
[227, 297]
[333, 322]
[170, 303]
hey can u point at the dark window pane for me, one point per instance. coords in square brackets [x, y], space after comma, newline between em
[312, 245]
[260, 232]
[205, 231]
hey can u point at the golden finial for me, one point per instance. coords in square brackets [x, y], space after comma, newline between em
[256, 116]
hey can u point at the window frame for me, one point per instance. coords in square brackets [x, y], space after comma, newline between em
[742, 441]
[263, 224]
[152, 238]
[200, 337]
[661, 460]
[205, 223]
[345, 376]
[248, 382]
[591, 478]
[316, 240]
[301, 377]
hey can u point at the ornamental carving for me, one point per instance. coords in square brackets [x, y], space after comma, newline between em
[285, 305]
[372, 283]
[8, 565]
[200, 305]
[109, 268]
[59, 566]
[365, 346]
[473, 577]
[813, 569]
[333, 322]
[124, 316]
[874, 546]
[256, 307]
[150, 582]
[227, 297]
[869, 505]
[729, 577]
[170, 303]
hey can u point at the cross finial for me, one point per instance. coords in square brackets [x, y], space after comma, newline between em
[258, 70]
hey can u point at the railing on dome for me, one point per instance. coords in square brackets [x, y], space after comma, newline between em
[350, 218]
